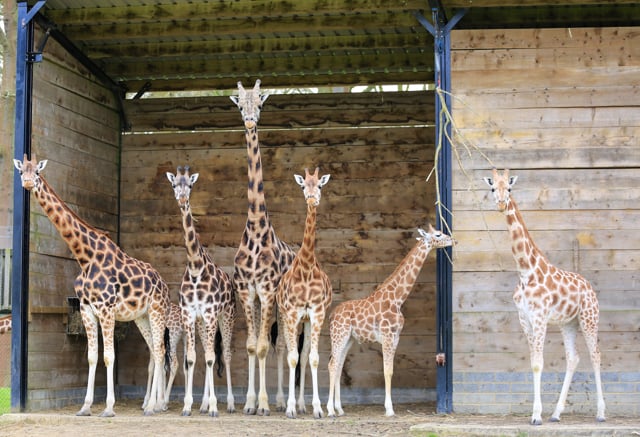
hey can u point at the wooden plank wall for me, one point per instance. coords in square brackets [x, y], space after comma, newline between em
[76, 128]
[378, 149]
[560, 108]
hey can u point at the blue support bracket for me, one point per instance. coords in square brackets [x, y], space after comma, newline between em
[441, 29]
[21, 209]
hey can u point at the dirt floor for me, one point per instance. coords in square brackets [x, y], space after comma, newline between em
[359, 420]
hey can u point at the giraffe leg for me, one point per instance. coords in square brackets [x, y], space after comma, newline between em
[281, 349]
[108, 325]
[227, 320]
[569, 333]
[535, 336]
[154, 339]
[252, 315]
[261, 352]
[304, 359]
[210, 359]
[314, 361]
[173, 369]
[202, 333]
[150, 368]
[389, 344]
[590, 331]
[340, 345]
[91, 328]
[190, 361]
[292, 360]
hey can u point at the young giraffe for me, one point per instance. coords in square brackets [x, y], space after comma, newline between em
[378, 318]
[546, 294]
[112, 286]
[304, 295]
[206, 294]
[260, 261]
[5, 324]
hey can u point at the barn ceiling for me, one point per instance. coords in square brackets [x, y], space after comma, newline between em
[169, 45]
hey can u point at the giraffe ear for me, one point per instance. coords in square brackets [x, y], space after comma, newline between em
[234, 99]
[18, 164]
[423, 234]
[263, 97]
[194, 178]
[489, 181]
[512, 180]
[41, 165]
[299, 179]
[323, 180]
[171, 177]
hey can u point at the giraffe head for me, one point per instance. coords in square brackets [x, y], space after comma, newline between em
[250, 103]
[182, 184]
[501, 187]
[30, 172]
[311, 186]
[435, 239]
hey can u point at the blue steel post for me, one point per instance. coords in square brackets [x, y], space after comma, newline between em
[442, 51]
[21, 210]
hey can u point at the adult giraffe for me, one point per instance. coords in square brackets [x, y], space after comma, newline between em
[112, 286]
[261, 260]
[546, 294]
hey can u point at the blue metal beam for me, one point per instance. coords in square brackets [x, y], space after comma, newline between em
[440, 29]
[21, 210]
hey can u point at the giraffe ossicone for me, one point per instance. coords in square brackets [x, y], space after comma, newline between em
[112, 286]
[547, 294]
[378, 318]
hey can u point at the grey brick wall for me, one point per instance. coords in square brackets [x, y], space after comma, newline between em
[512, 393]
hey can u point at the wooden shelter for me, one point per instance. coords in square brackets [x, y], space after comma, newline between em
[521, 77]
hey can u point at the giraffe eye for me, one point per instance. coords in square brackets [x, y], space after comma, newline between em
[493, 190]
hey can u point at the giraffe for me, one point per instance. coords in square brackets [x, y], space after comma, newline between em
[546, 294]
[112, 286]
[206, 294]
[5, 324]
[260, 261]
[304, 295]
[378, 318]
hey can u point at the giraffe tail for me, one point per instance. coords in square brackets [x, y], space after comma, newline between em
[167, 350]
[218, 351]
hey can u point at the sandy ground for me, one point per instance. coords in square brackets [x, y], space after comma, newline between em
[359, 420]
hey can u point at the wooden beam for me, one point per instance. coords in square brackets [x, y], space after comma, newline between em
[227, 10]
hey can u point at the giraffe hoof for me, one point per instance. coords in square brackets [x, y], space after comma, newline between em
[84, 413]
[536, 422]
[601, 419]
[317, 414]
[554, 419]
[249, 411]
[263, 412]
[281, 408]
[185, 413]
[291, 414]
[231, 410]
[144, 413]
[107, 413]
[213, 414]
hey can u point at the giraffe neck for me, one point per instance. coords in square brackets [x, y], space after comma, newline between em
[306, 255]
[257, 210]
[403, 278]
[78, 234]
[196, 255]
[525, 252]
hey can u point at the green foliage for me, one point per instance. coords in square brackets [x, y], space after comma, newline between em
[5, 400]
